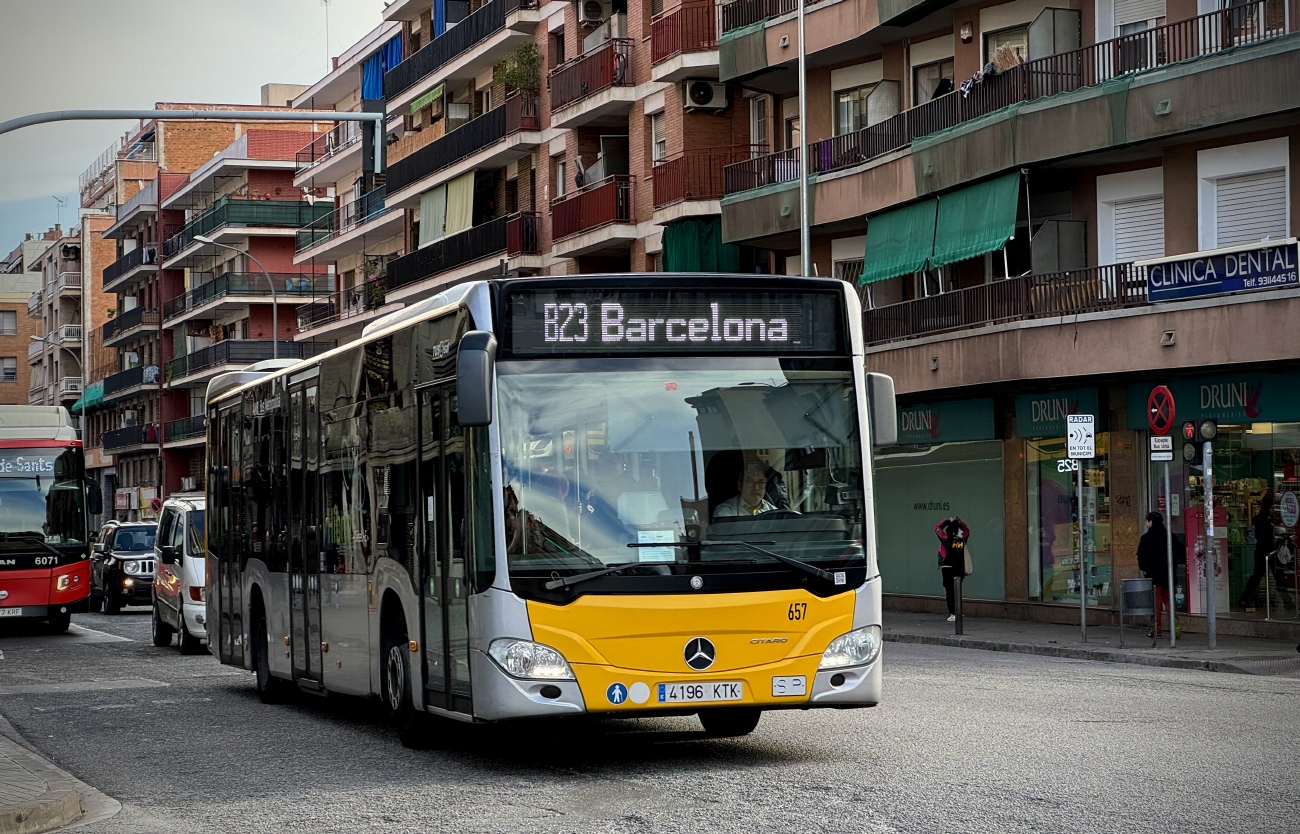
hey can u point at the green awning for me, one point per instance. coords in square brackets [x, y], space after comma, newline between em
[899, 242]
[76, 407]
[696, 246]
[975, 220]
[425, 100]
[92, 396]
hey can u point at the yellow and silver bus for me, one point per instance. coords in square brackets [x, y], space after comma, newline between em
[619, 495]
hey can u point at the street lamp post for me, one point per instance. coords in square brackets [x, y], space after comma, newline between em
[275, 303]
[81, 369]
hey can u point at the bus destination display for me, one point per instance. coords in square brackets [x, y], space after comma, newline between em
[672, 321]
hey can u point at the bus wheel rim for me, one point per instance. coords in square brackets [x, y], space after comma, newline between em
[396, 683]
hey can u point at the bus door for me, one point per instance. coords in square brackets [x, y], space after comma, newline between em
[304, 536]
[443, 552]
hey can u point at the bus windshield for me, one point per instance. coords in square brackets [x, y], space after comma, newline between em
[600, 457]
[42, 496]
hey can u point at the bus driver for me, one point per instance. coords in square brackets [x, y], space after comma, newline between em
[752, 486]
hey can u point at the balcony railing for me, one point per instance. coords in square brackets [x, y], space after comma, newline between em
[36, 348]
[344, 304]
[608, 65]
[239, 352]
[138, 257]
[486, 21]
[70, 386]
[187, 428]
[147, 196]
[129, 320]
[343, 136]
[1065, 72]
[473, 244]
[1090, 290]
[130, 436]
[691, 27]
[344, 219]
[696, 174]
[234, 212]
[521, 234]
[289, 288]
[599, 204]
[70, 334]
[518, 112]
[122, 380]
[744, 12]
[33, 303]
[68, 281]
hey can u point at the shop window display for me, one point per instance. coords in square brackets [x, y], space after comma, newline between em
[1053, 516]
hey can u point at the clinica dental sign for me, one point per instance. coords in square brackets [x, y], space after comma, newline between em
[1261, 267]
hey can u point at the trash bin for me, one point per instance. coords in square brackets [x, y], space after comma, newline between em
[1137, 598]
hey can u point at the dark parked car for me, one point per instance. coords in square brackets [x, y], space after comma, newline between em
[122, 566]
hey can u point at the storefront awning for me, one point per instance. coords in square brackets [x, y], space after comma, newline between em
[696, 245]
[974, 220]
[899, 242]
[90, 398]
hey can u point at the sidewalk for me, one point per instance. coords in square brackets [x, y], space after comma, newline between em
[1243, 655]
[35, 795]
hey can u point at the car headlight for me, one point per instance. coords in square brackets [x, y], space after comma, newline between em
[526, 659]
[857, 648]
[131, 567]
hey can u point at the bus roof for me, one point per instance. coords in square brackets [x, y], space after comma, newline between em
[36, 422]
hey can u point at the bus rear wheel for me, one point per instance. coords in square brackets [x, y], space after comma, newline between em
[730, 721]
[59, 622]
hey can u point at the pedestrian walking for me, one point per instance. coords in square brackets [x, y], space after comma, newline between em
[1265, 545]
[954, 536]
[1153, 561]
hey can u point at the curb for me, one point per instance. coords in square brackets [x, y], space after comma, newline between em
[1069, 652]
[51, 810]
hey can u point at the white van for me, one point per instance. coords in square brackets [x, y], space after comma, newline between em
[180, 574]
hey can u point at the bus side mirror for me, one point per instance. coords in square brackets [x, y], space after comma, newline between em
[94, 498]
[475, 369]
[883, 408]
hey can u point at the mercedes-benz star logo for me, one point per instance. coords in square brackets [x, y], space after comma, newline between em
[700, 654]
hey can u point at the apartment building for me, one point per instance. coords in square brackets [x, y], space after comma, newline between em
[1050, 209]
[20, 280]
[55, 355]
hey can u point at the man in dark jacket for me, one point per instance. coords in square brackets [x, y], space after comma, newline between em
[1265, 545]
[1153, 561]
[953, 535]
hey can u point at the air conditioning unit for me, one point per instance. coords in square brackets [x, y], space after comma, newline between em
[70, 251]
[593, 13]
[704, 95]
[189, 484]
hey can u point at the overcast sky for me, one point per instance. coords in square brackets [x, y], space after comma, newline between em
[102, 54]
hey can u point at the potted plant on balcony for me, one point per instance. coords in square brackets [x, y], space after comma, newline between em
[521, 69]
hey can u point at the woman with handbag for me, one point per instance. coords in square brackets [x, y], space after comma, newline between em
[953, 558]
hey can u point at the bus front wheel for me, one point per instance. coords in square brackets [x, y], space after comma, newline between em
[59, 622]
[730, 721]
[270, 689]
[412, 725]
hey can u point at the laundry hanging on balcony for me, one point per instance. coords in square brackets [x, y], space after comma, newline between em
[975, 220]
[899, 242]
[696, 246]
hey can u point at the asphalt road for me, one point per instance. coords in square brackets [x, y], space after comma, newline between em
[967, 741]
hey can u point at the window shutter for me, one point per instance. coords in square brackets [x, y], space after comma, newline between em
[1139, 229]
[1137, 11]
[1250, 207]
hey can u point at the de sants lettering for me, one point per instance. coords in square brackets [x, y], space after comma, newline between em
[26, 466]
[611, 323]
[1252, 269]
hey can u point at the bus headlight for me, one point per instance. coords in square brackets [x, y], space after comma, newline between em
[525, 659]
[857, 648]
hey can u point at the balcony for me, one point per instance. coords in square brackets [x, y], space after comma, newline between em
[130, 381]
[129, 323]
[34, 305]
[68, 282]
[328, 145]
[477, 243]
[144, 202]
[268, 216]
[697, 175]
[521, 235]
[35, 349]
[598, 206]
[1065, 72]
[192, 429]
[233, 290]
[355, 302]
[194, 369]
[70, 387]
[123, 271]
[402, 82]
[595, 87]
[131, 438]
[481, 138]
[684, 41]
[741, 13]
[1091, 290]
[70, 335]
[332, 235]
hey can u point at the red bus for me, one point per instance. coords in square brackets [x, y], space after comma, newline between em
[45, 508]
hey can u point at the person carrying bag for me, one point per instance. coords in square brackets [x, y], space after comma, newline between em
[954, 558]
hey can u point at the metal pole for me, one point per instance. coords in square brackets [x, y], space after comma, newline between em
[1211, 639]
[1169, 555]
[1083, 554]
[805, 232]
[957, 592]
[208, 115]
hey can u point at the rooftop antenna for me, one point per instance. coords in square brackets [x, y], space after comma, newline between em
[58, 212]
[329, 62]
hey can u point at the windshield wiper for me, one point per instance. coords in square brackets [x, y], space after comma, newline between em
[38, 538]
[833, 578]
[570, 581]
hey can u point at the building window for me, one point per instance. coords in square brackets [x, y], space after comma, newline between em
[559, 175]
[929, 81]
[1130, 216]
[851, 109]
[557, 48]
[8, 323]
[758, 121]
[658, 139]
[9, 369]
[1017, 39]
[1053, 548]
[1243, 193]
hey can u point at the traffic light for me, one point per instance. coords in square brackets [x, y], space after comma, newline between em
[1194, 434]
[1192, 453]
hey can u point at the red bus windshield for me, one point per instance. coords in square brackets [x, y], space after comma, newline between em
[42, 496]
